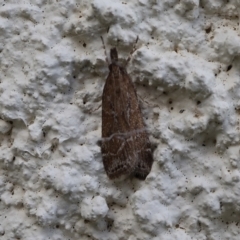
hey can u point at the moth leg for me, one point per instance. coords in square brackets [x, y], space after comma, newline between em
[96, 108]
[105, 51]
[131, 53]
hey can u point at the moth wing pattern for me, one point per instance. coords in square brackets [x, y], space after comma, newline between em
[125, 146]
[144, 164]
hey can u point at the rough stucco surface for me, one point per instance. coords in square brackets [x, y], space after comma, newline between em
[186, 72]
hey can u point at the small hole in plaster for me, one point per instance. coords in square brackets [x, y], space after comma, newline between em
[208, 30]
[229, 67]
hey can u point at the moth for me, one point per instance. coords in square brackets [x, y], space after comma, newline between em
[126, 149]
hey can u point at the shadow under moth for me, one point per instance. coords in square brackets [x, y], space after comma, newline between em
[126, 149]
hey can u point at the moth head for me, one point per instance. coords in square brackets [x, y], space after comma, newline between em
[114, 55]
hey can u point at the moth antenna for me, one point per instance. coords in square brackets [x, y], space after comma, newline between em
[131, 53]
[105, 50]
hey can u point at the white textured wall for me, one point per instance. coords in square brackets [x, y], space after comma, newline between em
[186, 72]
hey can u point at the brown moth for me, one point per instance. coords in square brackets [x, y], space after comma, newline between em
[126, 149]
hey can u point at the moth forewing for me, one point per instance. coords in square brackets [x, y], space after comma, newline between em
[125, 144]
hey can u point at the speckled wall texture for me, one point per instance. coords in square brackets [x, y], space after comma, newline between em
[186, 71]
